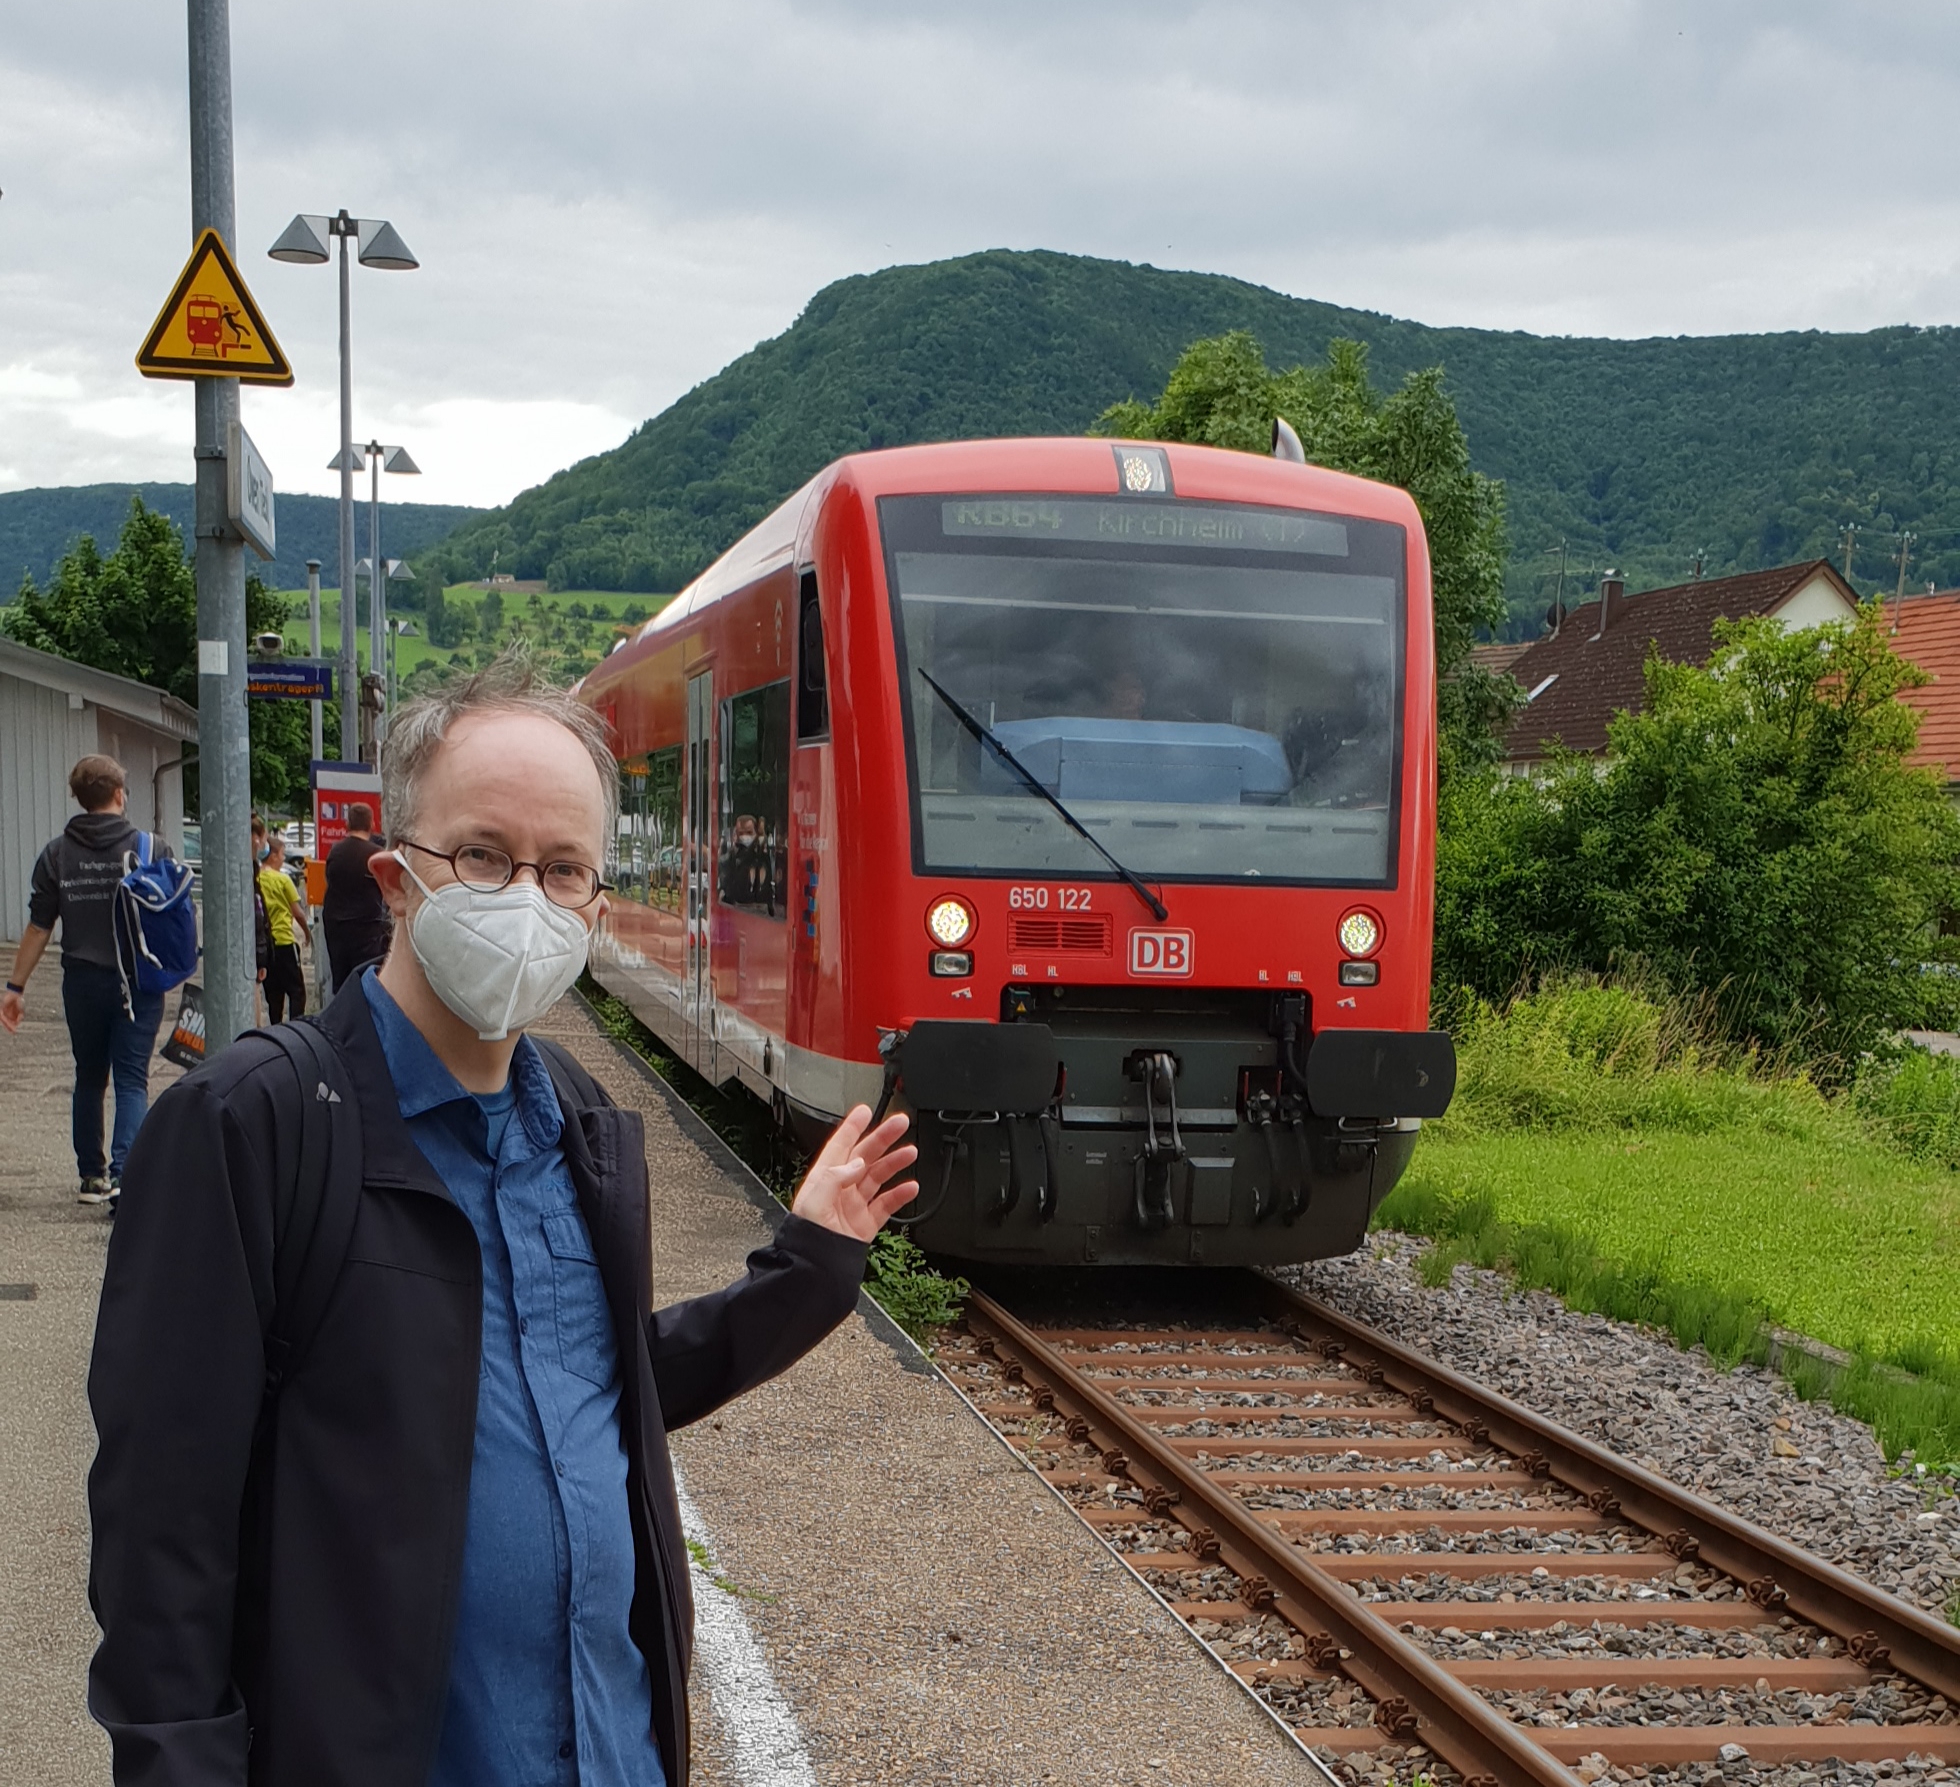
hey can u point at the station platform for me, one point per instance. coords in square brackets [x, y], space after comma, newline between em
[886, 1594]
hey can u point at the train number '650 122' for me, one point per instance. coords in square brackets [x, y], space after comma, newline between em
[1039, 899]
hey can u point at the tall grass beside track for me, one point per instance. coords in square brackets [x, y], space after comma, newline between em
[1607, 1146]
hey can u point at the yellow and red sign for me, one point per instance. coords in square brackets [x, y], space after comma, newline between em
[211, 327]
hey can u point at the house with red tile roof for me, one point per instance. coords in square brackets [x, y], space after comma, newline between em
[1500, 655]
[1926, 629]
[1593, 667]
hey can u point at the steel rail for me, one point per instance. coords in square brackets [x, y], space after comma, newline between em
[1778, 1576]
[1417, 1700]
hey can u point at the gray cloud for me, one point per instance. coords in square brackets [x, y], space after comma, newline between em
[611, 199]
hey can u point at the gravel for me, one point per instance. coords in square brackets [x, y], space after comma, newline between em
[1740, 1437]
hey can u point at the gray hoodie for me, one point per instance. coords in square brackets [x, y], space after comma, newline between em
[75, 880]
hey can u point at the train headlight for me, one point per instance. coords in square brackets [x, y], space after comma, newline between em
[949, 922]
[1361, 933]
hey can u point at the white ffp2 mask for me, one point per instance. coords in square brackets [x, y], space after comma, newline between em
[498, 958]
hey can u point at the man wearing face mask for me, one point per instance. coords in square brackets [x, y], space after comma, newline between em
[448, 1554]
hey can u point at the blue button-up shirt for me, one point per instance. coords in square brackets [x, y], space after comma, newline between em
[546, 1686]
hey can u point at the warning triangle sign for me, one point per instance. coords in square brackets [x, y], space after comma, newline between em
[210, 326]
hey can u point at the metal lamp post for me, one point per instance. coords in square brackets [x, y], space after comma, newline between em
[308, 242]
[380, 458]
[313, 643]
[397, 629]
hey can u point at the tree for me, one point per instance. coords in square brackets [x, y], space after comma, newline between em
[1756, 832]
[1222, 394]
[135, 613]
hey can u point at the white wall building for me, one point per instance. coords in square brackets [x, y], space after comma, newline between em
[53, 711]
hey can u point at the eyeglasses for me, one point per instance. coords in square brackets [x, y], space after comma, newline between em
[483, 867]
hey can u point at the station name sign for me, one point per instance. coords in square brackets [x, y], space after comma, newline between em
[289, 679]
[248, 493]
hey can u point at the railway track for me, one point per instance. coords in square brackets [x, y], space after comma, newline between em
[1413, 1571]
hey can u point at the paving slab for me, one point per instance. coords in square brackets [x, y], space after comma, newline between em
[55, 1246]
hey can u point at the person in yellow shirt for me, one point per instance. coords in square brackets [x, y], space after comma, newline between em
[285, 979]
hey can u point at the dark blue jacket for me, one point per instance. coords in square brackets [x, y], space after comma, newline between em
[278, 1600]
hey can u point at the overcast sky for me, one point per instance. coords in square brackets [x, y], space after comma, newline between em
[613, 198]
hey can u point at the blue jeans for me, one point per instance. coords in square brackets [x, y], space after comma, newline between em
[106, 1042]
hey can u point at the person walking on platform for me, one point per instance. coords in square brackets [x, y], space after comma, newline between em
[74, 885]
[285, 977]
[353, 915]
[454, 1557]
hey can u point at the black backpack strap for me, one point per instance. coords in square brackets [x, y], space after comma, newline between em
[577, 1089]
[313, 1213]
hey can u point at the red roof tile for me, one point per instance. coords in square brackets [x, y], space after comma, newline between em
[1929, 634]
[1580, 679]
[1500, 656]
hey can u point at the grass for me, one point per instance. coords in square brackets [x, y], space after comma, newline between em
[605, 607]
[704, 1561]
[1605, 1146]
[898, 1275]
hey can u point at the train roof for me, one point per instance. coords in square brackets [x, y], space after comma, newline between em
[1067, 465]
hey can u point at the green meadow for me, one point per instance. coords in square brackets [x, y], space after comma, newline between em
[1604, 1147]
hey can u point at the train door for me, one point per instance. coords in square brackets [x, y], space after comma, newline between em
[697, 984]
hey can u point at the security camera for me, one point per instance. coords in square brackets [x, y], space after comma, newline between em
[270, 645]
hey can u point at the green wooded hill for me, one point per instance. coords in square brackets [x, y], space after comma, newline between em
[1749, 449]
[38, 526]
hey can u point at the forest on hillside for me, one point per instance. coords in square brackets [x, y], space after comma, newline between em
[1646, 456]
[37, 527]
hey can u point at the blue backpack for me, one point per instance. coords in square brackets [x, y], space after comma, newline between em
[156, 924]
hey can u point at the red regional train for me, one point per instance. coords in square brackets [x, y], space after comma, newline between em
[1080, 796]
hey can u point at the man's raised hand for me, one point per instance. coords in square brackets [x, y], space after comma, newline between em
[846, 1187]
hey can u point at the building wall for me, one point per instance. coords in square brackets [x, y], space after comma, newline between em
[1813, 604]
[42, 732]
[41, 735]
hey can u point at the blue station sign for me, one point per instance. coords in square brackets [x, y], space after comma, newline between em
[289, 679]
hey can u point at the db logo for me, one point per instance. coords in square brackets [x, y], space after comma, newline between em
[1161, 952]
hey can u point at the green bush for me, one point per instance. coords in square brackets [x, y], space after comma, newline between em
[1584, 1053]
[1911, 1099]
[1755, 835]
[902, 1280]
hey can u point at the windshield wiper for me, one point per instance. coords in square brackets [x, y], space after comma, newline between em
[1158, 910]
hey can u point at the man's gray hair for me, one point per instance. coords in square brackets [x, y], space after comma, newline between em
[509, 685]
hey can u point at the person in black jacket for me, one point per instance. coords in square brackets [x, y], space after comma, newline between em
[74, 885]
[353, 915]
[450, 1551]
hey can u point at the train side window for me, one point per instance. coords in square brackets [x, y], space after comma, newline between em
[812, 689]
[646, 866]
[753, 867]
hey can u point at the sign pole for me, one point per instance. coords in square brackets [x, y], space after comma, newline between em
[350, 670]
[224, 747]
[377, 596]
[313, 651]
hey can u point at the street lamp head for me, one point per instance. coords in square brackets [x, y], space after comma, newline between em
[382, 246]
[348, 459]
[396, 459]
[305, 241]
[399, 570]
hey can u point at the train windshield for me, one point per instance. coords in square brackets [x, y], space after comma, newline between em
[1214, 690]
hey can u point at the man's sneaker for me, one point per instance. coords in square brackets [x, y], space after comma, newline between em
[95, 1191]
